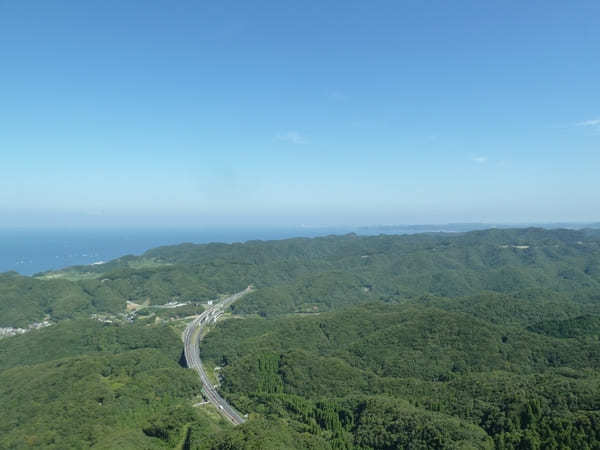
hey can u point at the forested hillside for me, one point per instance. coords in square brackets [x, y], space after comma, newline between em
[310, 275]
[446, 371]
[82, 384]
[473, 340]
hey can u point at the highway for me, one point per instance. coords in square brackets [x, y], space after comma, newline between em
[191, 337]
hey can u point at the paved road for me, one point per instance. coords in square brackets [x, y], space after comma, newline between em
[191, 337]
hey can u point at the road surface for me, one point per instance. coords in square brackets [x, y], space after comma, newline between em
[191, 337]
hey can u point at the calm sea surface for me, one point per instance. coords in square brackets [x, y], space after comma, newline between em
[32, 251]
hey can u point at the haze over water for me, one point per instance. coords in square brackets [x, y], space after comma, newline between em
[32, 251]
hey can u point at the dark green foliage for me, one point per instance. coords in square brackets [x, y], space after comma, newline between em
[312, 275]
[166, 424]
[77, 337]
[24, 300]
[385, 423]
[550, 266]
[475, 340]
[122, 387]
[578, 327]
[258, 434]
[451, 380]
[518, 309]
[395, 341]
[94, 400]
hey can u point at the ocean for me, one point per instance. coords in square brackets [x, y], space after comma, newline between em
[29, 251]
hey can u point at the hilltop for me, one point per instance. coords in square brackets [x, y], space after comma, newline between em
[483, 339]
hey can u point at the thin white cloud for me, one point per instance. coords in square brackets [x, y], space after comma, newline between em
[292, 137]
[337, 96]
[479, 159]
[365, 124]
[589, 123]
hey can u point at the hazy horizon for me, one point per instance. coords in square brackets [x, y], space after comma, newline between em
[29, 251]
[161, 223]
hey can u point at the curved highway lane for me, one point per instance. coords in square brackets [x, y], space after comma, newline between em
[191, 337]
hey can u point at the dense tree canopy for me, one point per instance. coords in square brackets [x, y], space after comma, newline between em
[487, 339]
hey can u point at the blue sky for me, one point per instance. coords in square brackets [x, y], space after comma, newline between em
[189, 113]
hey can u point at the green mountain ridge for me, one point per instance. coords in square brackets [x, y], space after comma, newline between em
[486, 339]
[304, 275]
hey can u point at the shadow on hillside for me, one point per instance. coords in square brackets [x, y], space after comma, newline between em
[182, 360]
